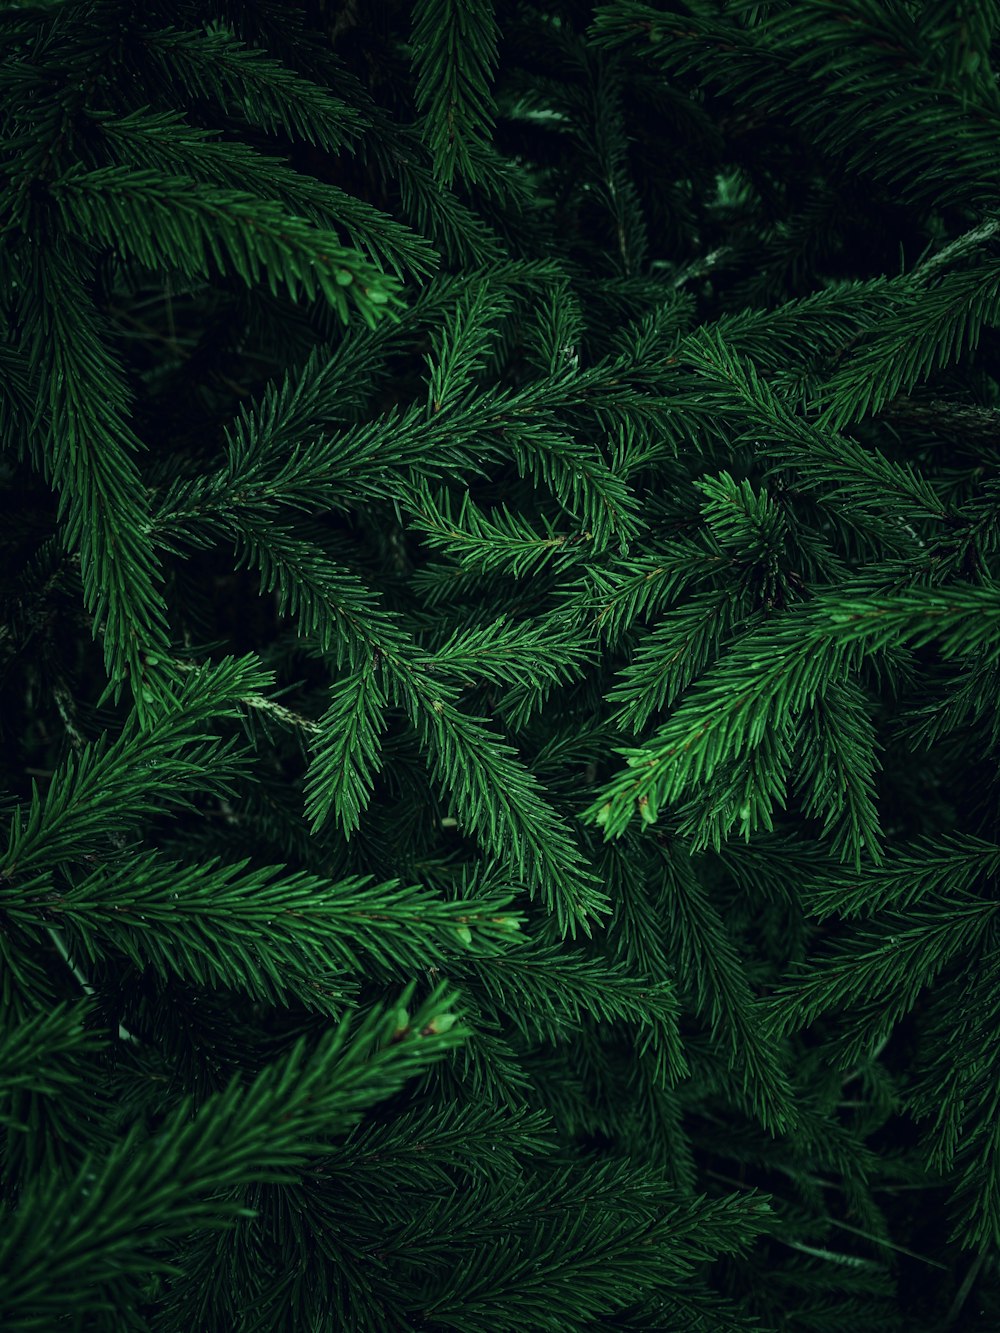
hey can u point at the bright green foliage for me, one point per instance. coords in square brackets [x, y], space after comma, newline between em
[500, 647]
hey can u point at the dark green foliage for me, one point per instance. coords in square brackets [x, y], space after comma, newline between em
[500, 640]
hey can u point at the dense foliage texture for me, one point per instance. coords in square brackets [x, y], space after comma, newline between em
[500, 652]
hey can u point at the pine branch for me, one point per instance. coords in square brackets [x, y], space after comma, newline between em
[782, 668]
[165, 144]
[117, 1213]
[454, 47]
[179, 223]
[215, 65]
[89, 448]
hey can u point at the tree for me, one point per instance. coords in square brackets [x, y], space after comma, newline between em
[500, 652]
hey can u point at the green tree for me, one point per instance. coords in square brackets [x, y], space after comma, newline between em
[500, 638]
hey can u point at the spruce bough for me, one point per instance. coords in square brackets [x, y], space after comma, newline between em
[500, 635]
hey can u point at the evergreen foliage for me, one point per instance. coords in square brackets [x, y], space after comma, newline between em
[500, 640]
